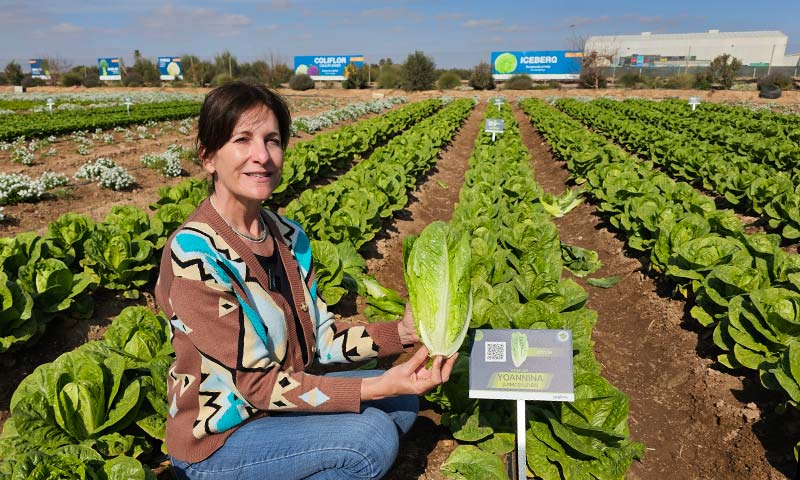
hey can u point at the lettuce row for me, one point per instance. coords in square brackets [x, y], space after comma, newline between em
[516, 283]
[744, 286]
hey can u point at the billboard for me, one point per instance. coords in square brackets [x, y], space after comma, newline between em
[326, 67]
[39, 69]
[169, 68]
[539, 65]
[109, 68]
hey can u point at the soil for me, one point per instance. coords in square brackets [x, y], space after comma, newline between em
[697, 419]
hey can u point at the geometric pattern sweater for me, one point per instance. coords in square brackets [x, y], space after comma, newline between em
[241, 349]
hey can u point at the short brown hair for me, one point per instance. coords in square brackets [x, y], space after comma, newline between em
[223, 107]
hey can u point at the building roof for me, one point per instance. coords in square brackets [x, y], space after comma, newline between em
[644, 36]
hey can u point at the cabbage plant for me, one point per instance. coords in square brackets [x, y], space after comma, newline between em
[437, 274]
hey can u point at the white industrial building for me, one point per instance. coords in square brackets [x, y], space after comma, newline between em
[693, 49]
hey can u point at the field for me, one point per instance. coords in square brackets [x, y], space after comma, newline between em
[695, 416]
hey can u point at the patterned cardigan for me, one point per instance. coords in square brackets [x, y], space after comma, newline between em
[236, 355]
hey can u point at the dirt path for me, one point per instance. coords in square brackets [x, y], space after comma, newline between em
[696, 421]
[428, 444]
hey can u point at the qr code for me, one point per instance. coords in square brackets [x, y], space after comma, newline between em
[495, 352]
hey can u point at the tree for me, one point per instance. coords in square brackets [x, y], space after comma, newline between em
[723, 70]
[390, 77]
[419, 72]
[225, 62]
[591, 72]
[145, 70]
[14, 73]
[278, 71]
[356, 77]
[481, 77]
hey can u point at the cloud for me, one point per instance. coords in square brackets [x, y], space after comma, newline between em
[170, 18]
[449, 16]
[481, 23]
[66, 28]
[513, 28]
[21, 15]
[389, 13]
[629, 19]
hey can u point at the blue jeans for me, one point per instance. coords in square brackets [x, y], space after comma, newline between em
[319, 446]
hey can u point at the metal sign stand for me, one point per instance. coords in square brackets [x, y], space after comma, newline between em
[694, 102]
[50, 103]
[128, 104]
[522, 461]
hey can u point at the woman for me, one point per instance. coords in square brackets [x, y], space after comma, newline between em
[238, 286]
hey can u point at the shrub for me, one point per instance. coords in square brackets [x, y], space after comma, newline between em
[221, 79]
[419, 72]
[631, 80]
[357, 77]
[133, 79]
[389, 77]
[518, 82]
[592, 78]
[681, 81]
[703, 81]
[448, 81]
[72, 79]
[301, 82]
[91, 81]
[777, 79]
[481, 77]
[29, 81]
[723, 70]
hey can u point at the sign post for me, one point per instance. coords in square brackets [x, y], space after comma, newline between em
[128, 104]
[522, 365]
[498, 102]
[694, 102]
[50, 103]
[494, 126]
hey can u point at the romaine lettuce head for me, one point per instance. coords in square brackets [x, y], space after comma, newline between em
[437, 274]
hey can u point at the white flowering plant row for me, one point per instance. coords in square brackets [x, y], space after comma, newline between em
[16, 188]
[106, 173]
[310, 124]
[169, 162]
[24, 152]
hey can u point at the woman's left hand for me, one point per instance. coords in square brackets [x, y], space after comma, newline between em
[406, 328]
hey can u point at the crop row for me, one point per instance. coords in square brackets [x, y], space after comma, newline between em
[774, 150]
[750, 120]
[307, 160]
[516, 283]
[43, 124]
[744, 286]
[757, 188]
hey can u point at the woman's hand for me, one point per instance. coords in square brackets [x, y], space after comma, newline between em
[410, 377]
[406, 328]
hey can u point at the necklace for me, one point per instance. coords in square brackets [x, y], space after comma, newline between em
[257, 239]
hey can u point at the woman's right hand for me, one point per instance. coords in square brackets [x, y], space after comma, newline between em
[410, 377]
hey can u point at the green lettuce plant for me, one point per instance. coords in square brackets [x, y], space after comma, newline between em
[437, 274]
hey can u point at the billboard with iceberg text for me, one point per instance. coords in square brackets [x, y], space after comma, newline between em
[326, 67]
[539, 65]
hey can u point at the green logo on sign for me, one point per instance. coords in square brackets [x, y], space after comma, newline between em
[505, 63]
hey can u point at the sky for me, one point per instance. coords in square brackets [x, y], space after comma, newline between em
[455, 34]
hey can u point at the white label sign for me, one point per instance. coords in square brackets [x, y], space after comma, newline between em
[522, 365]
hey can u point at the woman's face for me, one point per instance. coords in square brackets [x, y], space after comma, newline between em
[248, 167]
